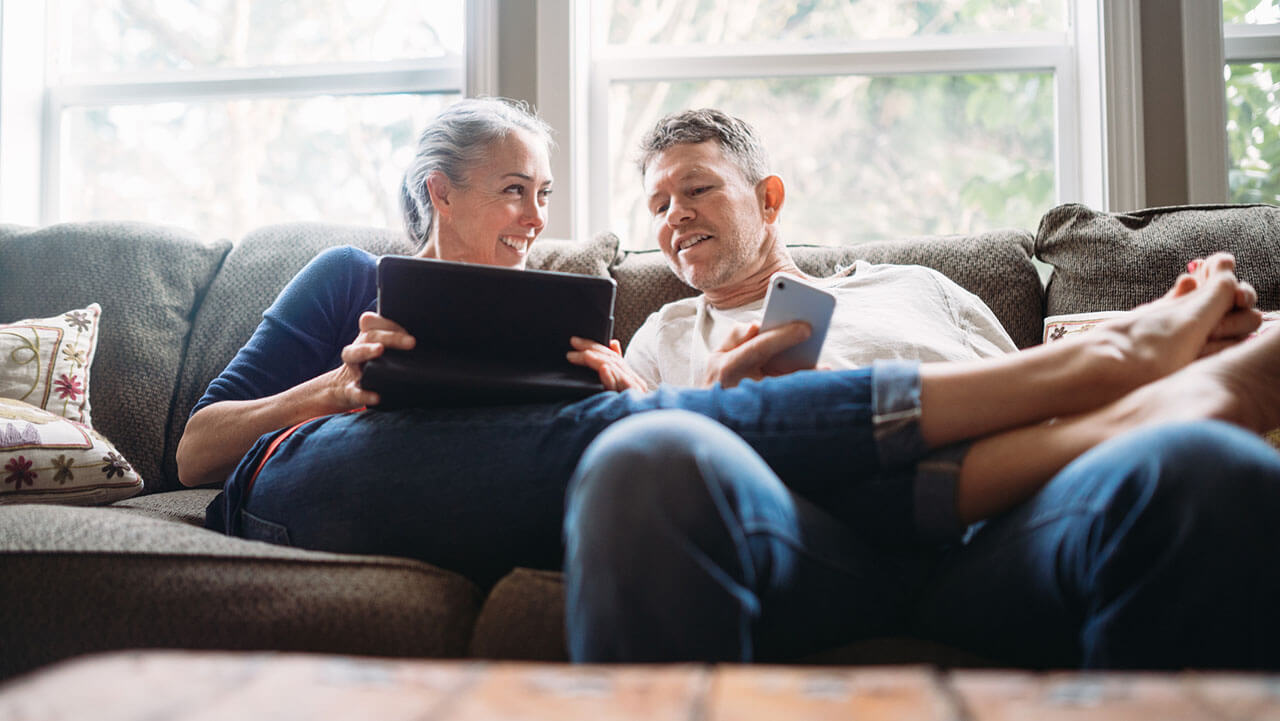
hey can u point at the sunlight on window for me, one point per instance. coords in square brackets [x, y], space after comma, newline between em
[224, 164]
[868, 158]
[102, 36]
[1253, 133]
[1252, 12]
[678, 22]
[224, 168]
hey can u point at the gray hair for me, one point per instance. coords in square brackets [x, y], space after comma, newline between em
[735, 136]
[454, 143]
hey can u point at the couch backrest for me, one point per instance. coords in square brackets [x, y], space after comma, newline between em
[1110, 261]
[149, 279]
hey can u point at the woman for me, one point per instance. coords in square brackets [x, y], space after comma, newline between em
[477, 192]
[481, 490]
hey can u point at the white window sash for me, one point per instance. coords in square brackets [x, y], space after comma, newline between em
[1084, 162]
[31, 110]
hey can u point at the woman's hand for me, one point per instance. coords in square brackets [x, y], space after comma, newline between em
[614, 372]
[376, 335]
[747, 351]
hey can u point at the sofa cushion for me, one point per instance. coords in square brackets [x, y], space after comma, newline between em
[148, 279]
[138, 575]
[261, 264]
[995, 266]
[49, 459]
[1115, 261]
[522, 618]
[46, 361]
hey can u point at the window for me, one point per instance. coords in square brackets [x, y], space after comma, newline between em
[1251, 44]
[224, 115]
[886, 118]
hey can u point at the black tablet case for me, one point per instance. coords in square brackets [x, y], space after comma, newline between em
[485, 335]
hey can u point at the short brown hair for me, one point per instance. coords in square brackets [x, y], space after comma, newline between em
[737, 138]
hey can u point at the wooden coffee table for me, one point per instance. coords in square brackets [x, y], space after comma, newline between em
[206, 685]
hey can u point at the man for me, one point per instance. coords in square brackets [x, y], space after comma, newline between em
[683, 544]
[716, 213]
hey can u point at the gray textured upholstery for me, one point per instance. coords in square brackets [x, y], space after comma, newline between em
[994, 266]
[1114, 261]
[78, 580]
[522, 618]
[148, 279]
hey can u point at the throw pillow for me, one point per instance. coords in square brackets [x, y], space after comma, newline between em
[1107, 261]
[45, 361]
[45, 458]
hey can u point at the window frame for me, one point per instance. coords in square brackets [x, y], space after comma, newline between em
[31, 107]
[1239, 43]
[1095, 63]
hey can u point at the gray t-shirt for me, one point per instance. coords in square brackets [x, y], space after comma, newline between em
[882, 312]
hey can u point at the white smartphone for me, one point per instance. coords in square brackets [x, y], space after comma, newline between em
[788, 299]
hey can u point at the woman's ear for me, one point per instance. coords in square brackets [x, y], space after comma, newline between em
[772, 194]
[439, 189]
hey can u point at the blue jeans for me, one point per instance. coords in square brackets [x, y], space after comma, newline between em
[683, 544]
[1153, 550]
[482, 490]
[1156, 549]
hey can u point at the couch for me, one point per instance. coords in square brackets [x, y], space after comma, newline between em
[143, 572]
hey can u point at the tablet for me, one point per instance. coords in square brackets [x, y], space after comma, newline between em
[486, 335]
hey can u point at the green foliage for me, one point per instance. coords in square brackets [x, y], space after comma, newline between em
[1253, 132]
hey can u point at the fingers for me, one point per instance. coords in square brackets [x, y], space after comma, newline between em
[607, 362]
[358, 353]
[357, 396]
[376, 329]
[739, 334]
[767, 344]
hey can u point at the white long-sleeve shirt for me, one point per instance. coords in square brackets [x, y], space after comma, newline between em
[882, 312]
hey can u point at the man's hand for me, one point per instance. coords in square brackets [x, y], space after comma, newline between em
[376, 335]
[747, 351]
[614, 372]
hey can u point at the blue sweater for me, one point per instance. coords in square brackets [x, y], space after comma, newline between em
[304, 331]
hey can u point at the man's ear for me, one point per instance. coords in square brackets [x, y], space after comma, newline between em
[439, 189]
[772, 194]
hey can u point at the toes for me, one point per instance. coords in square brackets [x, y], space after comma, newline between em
[1184, 284]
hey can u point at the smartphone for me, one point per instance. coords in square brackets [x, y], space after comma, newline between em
[789, 299]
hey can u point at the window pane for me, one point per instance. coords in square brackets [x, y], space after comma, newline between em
[1253, 132]
[678, 22]
[868, 158]
[223, 168]
[1254, 12]
[138, 35]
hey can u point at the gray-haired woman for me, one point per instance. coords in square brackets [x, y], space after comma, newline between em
[476, 192]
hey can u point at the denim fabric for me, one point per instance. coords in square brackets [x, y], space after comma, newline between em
[1153, 550]
[683, 545]
[482, 490]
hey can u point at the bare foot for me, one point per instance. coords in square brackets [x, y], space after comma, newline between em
[1201, 314]
[1239, 322]
[1240, 385]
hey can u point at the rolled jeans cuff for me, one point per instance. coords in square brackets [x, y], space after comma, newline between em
[895, 401]
[934, 491]
[895, 409]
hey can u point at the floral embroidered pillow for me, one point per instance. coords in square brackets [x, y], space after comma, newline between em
[45, 361]
[45, 458]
